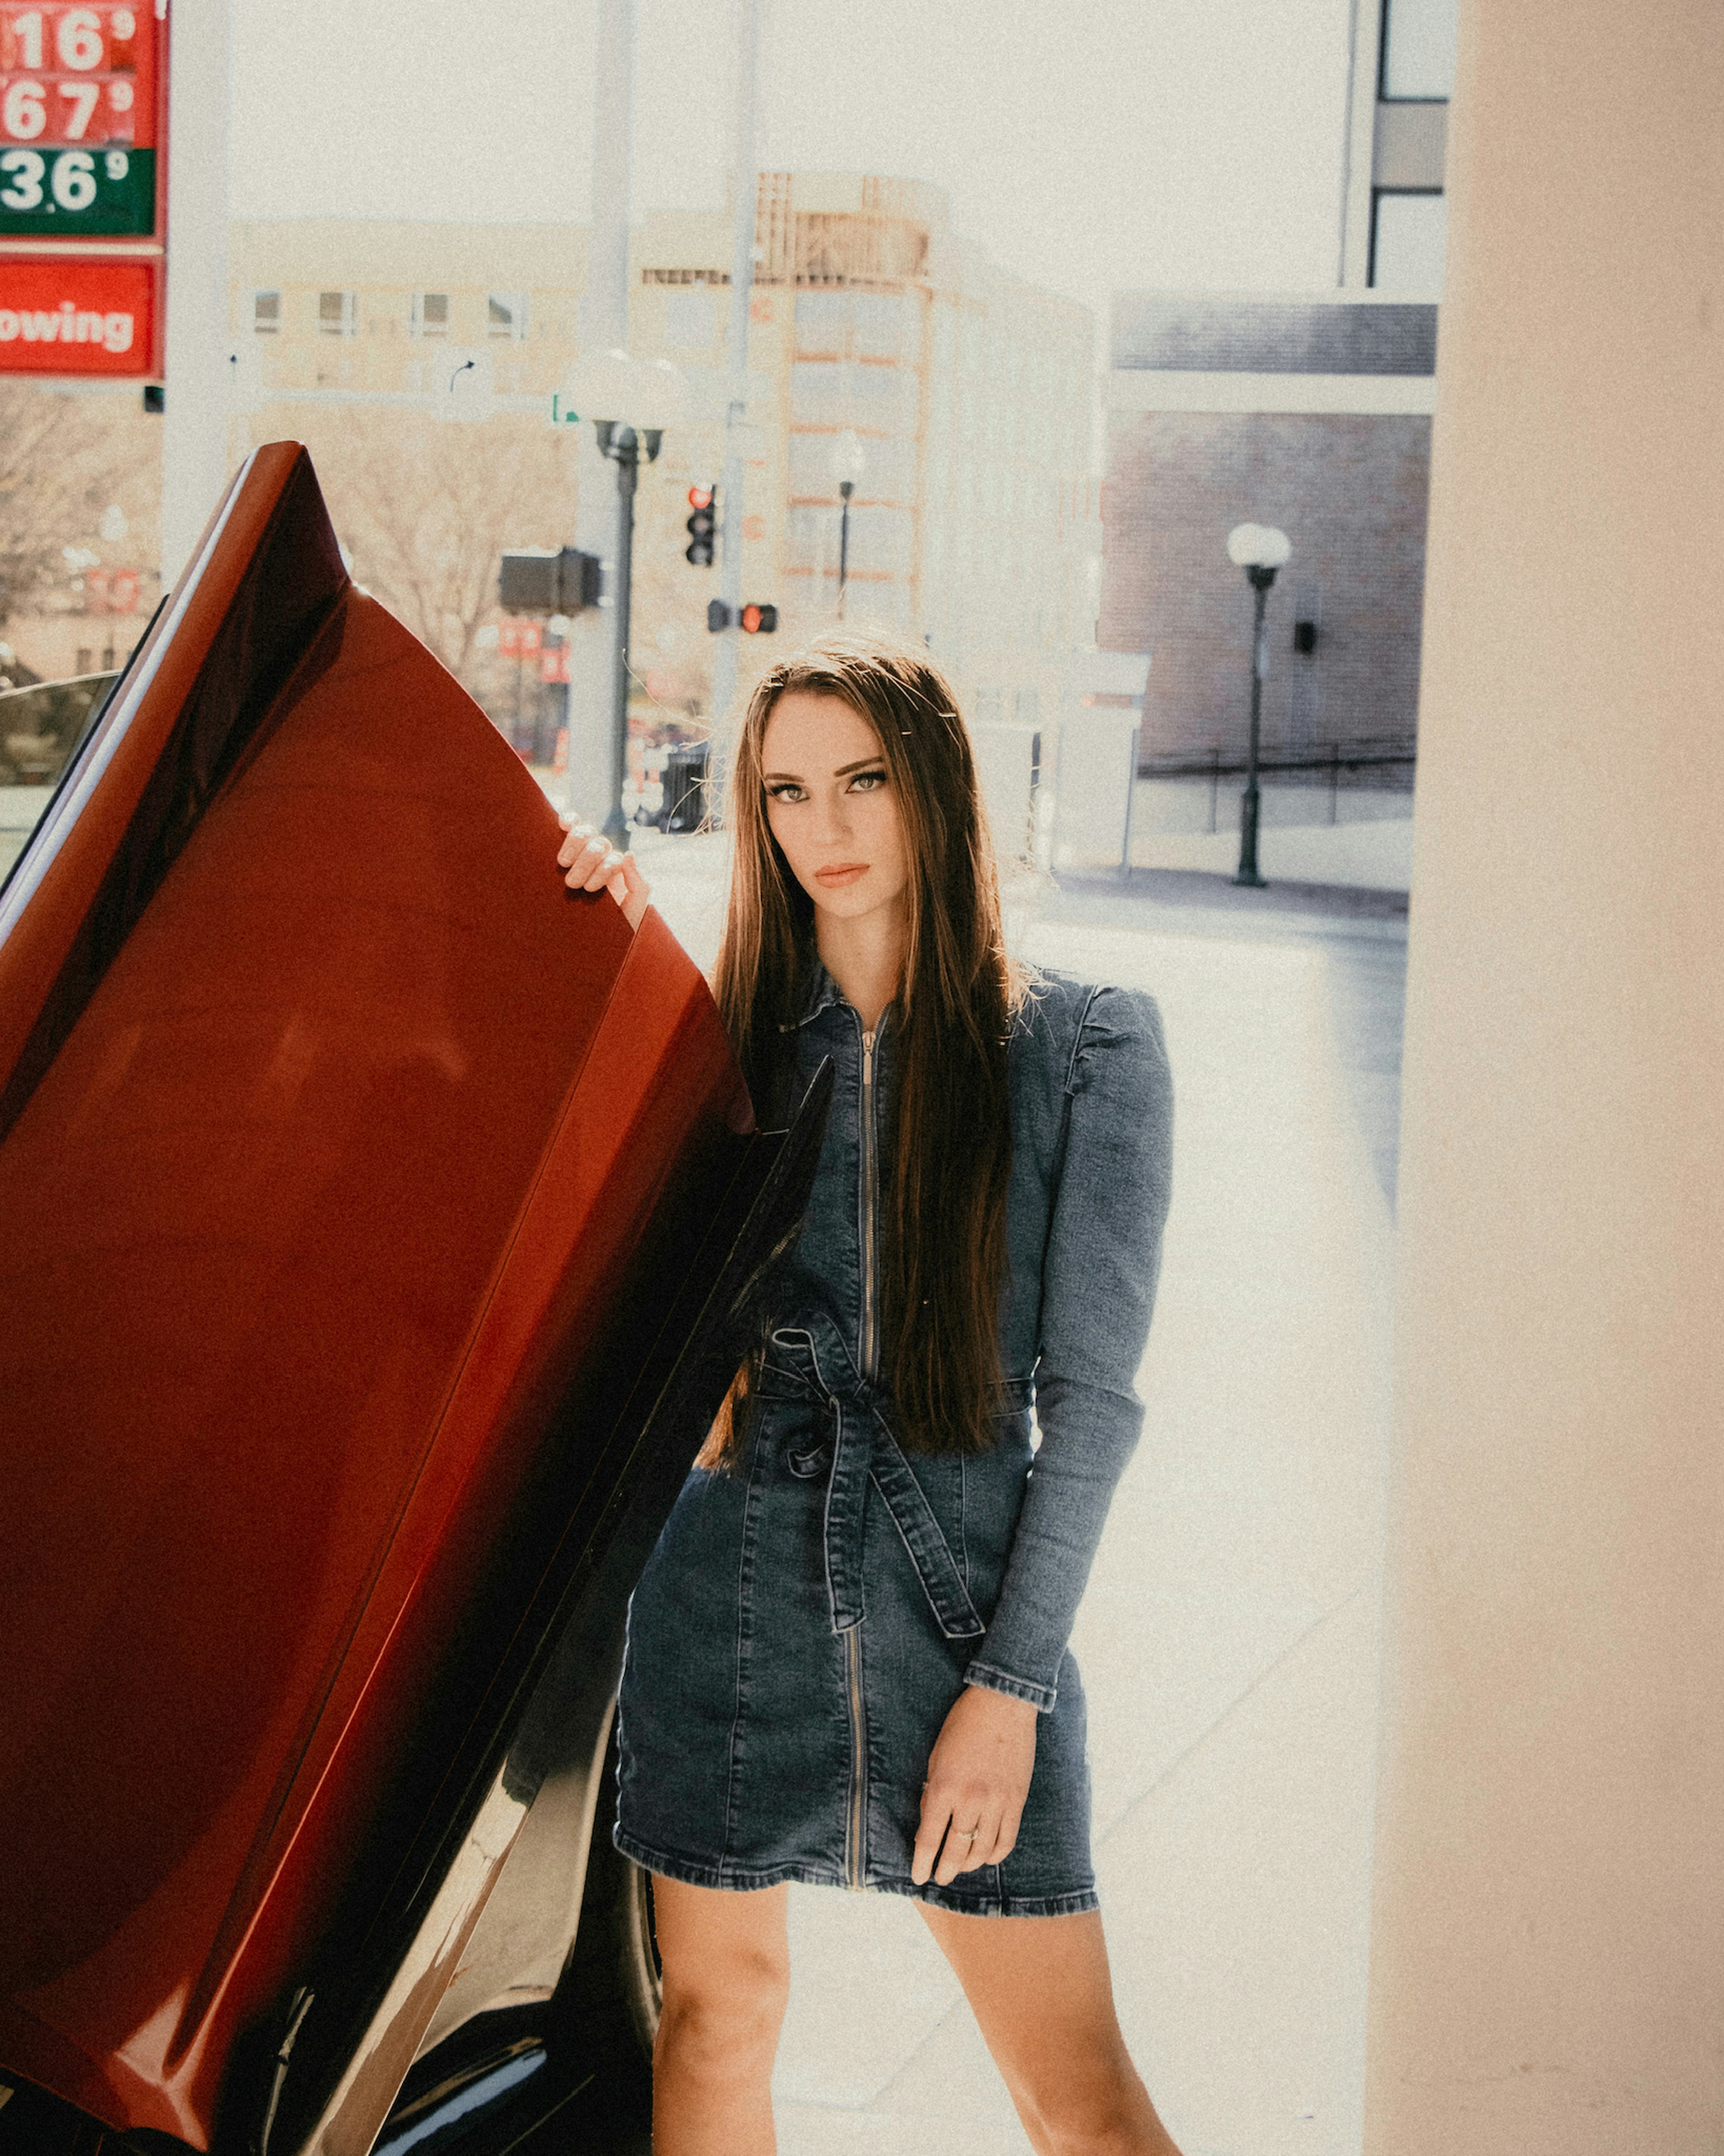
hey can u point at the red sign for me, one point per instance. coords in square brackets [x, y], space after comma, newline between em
[554, 665]
[73, 74]
[79, 119]
[111, 591]
[519, 640]
[77, 316]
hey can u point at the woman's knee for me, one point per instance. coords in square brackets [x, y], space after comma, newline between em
[723, 2009]
[1091, 2106]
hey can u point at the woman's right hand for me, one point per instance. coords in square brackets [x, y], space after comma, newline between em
[592, 864]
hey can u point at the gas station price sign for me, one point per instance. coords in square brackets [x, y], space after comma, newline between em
[79, 119]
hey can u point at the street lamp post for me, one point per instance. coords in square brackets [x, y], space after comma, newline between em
[641, 397]
[849, 463]
[625, 446]
[1259, 549]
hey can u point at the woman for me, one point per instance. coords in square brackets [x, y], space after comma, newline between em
[847, 1656]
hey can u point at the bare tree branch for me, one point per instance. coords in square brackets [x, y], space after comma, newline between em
[63, 460]
[426, 508]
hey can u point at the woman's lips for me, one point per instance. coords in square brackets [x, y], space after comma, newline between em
[846, 872]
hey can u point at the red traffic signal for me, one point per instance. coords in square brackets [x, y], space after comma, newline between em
[759, 620]
[702, 527]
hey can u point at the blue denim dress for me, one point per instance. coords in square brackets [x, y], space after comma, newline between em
[807, 1619]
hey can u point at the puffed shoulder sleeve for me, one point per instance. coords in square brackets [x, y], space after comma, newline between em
[1112, 1180]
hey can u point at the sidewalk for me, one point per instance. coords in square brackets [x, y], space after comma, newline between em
[1229, 1639]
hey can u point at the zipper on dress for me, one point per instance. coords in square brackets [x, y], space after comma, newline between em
[859, 1762]
[853, 1639]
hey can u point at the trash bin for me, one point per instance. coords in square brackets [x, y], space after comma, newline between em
[685, 808]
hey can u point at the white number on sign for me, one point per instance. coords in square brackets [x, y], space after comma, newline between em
[123, 24]
[120, 94]
[82, 96]
[117, 162]
[22, 113]
[78, 39]
[25, 169]
[75, 179]
[27, 30]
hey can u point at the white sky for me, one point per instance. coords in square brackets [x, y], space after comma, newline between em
[1099, 144]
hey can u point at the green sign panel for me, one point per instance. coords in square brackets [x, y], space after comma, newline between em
[76, 194]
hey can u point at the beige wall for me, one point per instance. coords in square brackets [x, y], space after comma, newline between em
[1548, 1937]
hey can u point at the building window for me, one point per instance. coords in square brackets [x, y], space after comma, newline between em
[1408, 234]
[822, 324]
[886, 326]
[690, 319]
[266, 313]
[1417, 49]
[810, 538]
[430, 314]
[335, 313]
[505, 314]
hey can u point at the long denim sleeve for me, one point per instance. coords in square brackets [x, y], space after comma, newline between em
[1099, 1272]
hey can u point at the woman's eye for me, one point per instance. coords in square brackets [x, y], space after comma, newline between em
[868, 781]
[789, 791]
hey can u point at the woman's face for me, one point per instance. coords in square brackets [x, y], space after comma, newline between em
[831, 806]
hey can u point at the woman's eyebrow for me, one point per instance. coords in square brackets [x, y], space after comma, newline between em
[843, 771]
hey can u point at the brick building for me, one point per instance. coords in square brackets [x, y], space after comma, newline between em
[1310, 414]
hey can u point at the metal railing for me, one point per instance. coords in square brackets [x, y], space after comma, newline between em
[1390, 761]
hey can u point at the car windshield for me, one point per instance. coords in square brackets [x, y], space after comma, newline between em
[40, 728]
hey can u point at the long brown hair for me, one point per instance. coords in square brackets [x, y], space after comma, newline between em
[943, 1224]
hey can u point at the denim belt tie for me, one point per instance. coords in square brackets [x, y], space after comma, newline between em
[811, 1363]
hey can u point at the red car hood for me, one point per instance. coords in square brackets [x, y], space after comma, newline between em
[348, 1160]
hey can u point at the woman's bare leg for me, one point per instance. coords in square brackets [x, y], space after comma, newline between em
[1039, 1988]
[726, 1959]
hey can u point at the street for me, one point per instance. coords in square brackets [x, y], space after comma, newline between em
[1228, 1638]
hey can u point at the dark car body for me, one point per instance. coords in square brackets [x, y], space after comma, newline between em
[380, 1226]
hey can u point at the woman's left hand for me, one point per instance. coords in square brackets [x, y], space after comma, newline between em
[977, 1779]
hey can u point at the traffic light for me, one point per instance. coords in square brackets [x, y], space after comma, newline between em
[702, 526]
[541, 583]
[752, 620]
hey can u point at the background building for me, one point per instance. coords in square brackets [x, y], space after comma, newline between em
[1313, 412]
[974, 524]
[1394, 212]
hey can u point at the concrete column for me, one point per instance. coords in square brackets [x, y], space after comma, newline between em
[1548, 1930]
[194, 440]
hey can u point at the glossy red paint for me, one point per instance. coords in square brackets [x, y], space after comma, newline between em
[321, 1181]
